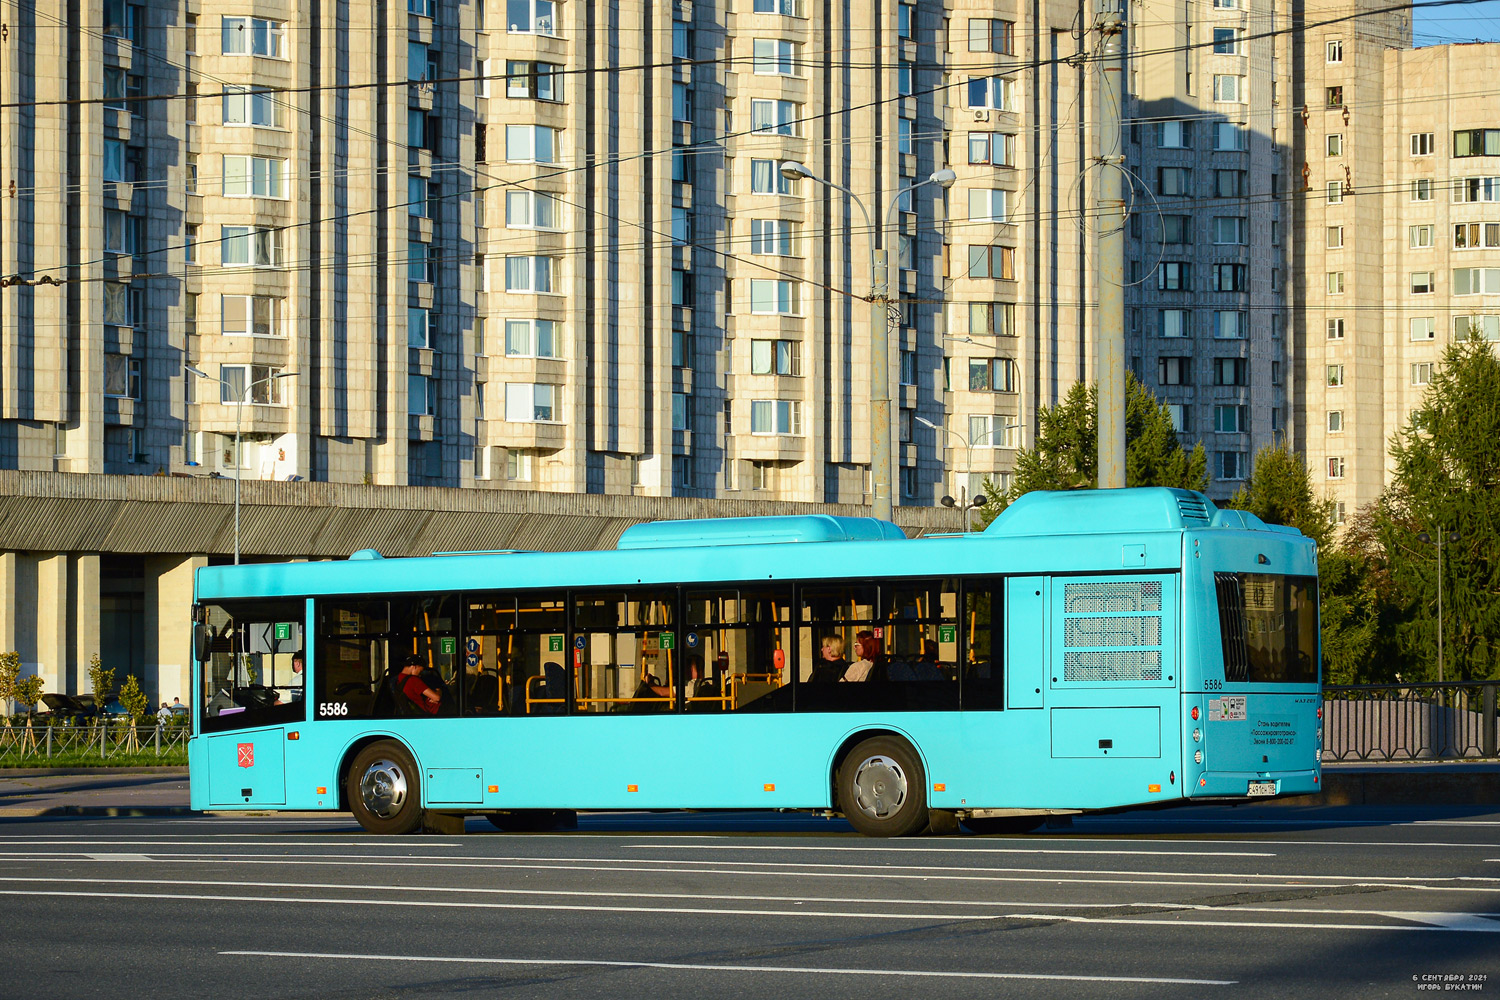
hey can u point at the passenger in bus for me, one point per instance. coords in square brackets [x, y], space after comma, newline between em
[422, 687]
[694, 676]
[831, 664]
[871, 663]
[650, 691]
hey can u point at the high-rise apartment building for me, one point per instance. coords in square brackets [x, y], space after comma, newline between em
[549, 245]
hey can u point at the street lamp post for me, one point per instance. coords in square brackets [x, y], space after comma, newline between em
[238, 461]
[1451, 536]
[964, 503]
[880, 343]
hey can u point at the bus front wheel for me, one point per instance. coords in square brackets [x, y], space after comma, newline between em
[384, 791]
[882, 788]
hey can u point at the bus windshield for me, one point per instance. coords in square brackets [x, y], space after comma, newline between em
[254, 672]
[1269, 626]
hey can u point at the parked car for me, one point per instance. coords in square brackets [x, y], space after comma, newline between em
[66, 708]
[112, 706]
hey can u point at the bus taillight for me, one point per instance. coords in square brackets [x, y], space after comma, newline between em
[1194, 713]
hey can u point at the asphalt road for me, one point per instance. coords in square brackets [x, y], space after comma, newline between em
[1231, 903]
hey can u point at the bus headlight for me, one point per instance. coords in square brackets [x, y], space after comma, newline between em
[1197, 736]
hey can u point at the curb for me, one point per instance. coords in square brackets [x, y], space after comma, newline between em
[1395, 788]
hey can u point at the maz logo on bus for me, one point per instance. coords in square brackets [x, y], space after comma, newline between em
[329, 708]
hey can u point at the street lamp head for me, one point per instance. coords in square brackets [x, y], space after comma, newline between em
[945, 177]
[194, 371]
[948, 502]
[792, 170]
[1424, 537]
[980, 500]
[927, 423]
[285, 375]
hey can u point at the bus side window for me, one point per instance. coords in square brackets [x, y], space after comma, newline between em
[983, 677]
[351, 665]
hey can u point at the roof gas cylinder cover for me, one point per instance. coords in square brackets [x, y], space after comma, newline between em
[758, 531]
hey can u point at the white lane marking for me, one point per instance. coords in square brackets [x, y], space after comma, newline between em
[871, 900]
[704, 967]
[1483, 922]
[1264, 882]
[117, 857]
[962, 850]
[1463, 883]
[1270, 924]
[225, 843]
[474, 905]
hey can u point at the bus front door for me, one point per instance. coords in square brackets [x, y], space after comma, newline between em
[247, 768]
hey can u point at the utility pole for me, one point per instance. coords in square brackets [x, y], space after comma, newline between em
[1110, 326]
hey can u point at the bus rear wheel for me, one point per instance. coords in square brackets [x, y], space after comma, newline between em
[883, 789]
[384, 791]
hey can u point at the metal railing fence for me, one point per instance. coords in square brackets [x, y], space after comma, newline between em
[1454, 721]
[102, 739]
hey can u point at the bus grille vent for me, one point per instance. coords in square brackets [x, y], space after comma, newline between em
[1112, 665]
[1231, 593]
[1143, 630]
[1192, 509]
[1111, 598]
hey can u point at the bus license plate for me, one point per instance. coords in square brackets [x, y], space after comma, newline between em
[1262, 788]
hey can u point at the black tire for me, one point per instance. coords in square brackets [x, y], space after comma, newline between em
[533, 820]
[883, 788]
[987, 825]
[384, 789]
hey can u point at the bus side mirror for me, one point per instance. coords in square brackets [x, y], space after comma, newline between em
[201, 641]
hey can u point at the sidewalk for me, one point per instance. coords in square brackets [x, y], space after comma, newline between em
[163, 791]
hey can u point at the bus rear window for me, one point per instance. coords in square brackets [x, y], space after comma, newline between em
[1269, 627]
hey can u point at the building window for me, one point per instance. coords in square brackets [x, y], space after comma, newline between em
[1336, 329]
[1334, 50]
[418, 333]
[1229, 183]
[1229, 230]
[530, 17]
[1174, 323]
[1422, 143]
[532, 338]
[992, 375]
[906, 362]
[245, 384]
[1174, 135]
[776, 237]
[1174, 181]
[1423, 328]
[787, 8]
[1333, 97]
[992, 262]
[996, 148]
[992, 319]
[531, 144]
[1174, 371]
[532, 210]
[254, 177]
[996, 93]
[1335, 376]
[1231, 371]
[1421, 282]
[1421, 374]
[1226, 42]
[1335, 282]
[243, 106]
[765, 178]
[1229, 137]
[253, 36]
[682, 40]
[1230, 418]
[1476, 328]
[776, 357]
[769, 296]
[1335, 144]
[1477, 142]
[1467, 189]
[535, 81]
[681, 411]
[1335, 421]
[421, 396]
[1336, 467]
[682, 226]
[1476, 281]
[1229, 277]
[1335, 193]
[1230, 325]
[1231, 464]
[530, 403]
[990, 431]
[518, 466]
[1421, 189]
[122, 376]
[775, 416]
[779, 117]
[903, 135]
[1179, 414]
[525, 273]
[1474, 235]
[986, 205]
[250, 315]
[904, 16]
[682, 102]
[1334, 237]
[682, 289]
[1229, 89]
[1420, 236]
[246, 246]
[1173, 276]
[992, 35]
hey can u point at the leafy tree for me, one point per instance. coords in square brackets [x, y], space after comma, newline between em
[1280, 491]
[28, 691]
[1066, 456]
[101, 681]
[133, 699]
[1447, 479]
[10, 673]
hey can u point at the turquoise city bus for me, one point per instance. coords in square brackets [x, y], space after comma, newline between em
[1088, 650]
